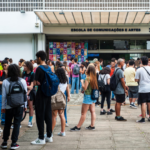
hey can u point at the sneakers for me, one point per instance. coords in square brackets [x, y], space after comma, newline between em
[75, 129]
[90, 128]
[67, 125]
[96, 105]
[149, 119]
[38, 142]
[30, 124]
[45, 135]
[109, 113]
[141, 121]
[102, 112]
[14, 146]
[13, 126]
[47, 139]
[120, 119]
[111, 110]
[113, 99]
[61, 134]
[133, 106]
[4, 145]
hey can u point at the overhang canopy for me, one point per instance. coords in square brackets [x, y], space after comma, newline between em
[77, 17]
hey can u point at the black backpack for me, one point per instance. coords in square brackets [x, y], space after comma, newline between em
[101, 84]
[113, 84]
[76, 69]
[17, 95]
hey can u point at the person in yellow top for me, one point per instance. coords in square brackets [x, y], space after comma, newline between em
[129, 74]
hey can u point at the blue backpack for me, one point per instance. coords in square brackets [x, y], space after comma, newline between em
[50, 84]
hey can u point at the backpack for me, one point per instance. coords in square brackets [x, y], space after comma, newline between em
[17, 94]
[76, 70]
[113, 84]
[58, 101]
[101, 84]
[95, 94]
[50, 84]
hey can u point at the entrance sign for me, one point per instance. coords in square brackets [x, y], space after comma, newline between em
[105, 29]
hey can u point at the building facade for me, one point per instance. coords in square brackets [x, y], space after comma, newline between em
[111, 28]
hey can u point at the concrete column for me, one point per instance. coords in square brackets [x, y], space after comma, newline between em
[41, 42]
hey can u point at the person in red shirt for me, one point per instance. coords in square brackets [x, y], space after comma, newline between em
[112, 69]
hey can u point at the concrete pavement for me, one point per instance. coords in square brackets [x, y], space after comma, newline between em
[109, 134]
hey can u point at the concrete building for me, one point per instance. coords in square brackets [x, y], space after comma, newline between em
[112, 28]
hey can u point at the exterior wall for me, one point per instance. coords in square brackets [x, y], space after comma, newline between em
[19, 23]
[16, 47]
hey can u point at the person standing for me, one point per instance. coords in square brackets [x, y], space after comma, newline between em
[112, 69]
[42, 103]
[88, 104]
[70, 64]
[129, 75]
[120, 90]
[28, 75]
[60, 72]
[143, 77]
[12, 113]
[49, 63]
[3, 74]
[75, 70]
[105, 77]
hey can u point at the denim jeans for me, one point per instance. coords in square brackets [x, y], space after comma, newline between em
[2, 115]
[75, 81]
[65, 112]
[113, 95]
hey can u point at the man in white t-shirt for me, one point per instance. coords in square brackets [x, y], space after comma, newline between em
[143, 77]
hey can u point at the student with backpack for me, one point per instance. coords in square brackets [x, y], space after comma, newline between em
[75, 69]
[88, 86]
[104, 79]
[117, 84]
[63, 87]
[28, 75]
[47, 83]
[13, 102]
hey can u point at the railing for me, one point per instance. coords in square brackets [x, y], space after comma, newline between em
[30, 5]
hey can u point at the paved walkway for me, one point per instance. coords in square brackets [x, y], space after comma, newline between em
[109, 134]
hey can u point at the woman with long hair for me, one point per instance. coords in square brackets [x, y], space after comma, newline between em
[12, 112]
[97, 66]
[89, 84]
[105, 77]
[49, 63]
[64, 88]
[28, 75]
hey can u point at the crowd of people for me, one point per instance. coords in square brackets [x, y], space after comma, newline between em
[21, 88]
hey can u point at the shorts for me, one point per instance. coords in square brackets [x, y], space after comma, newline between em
[120, 98]
[32, 95]
[144, 98]
[88, 100]
[133, 91]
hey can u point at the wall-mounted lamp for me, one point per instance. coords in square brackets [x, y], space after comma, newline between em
[147, 13]
[22, 11]
[61, 13]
